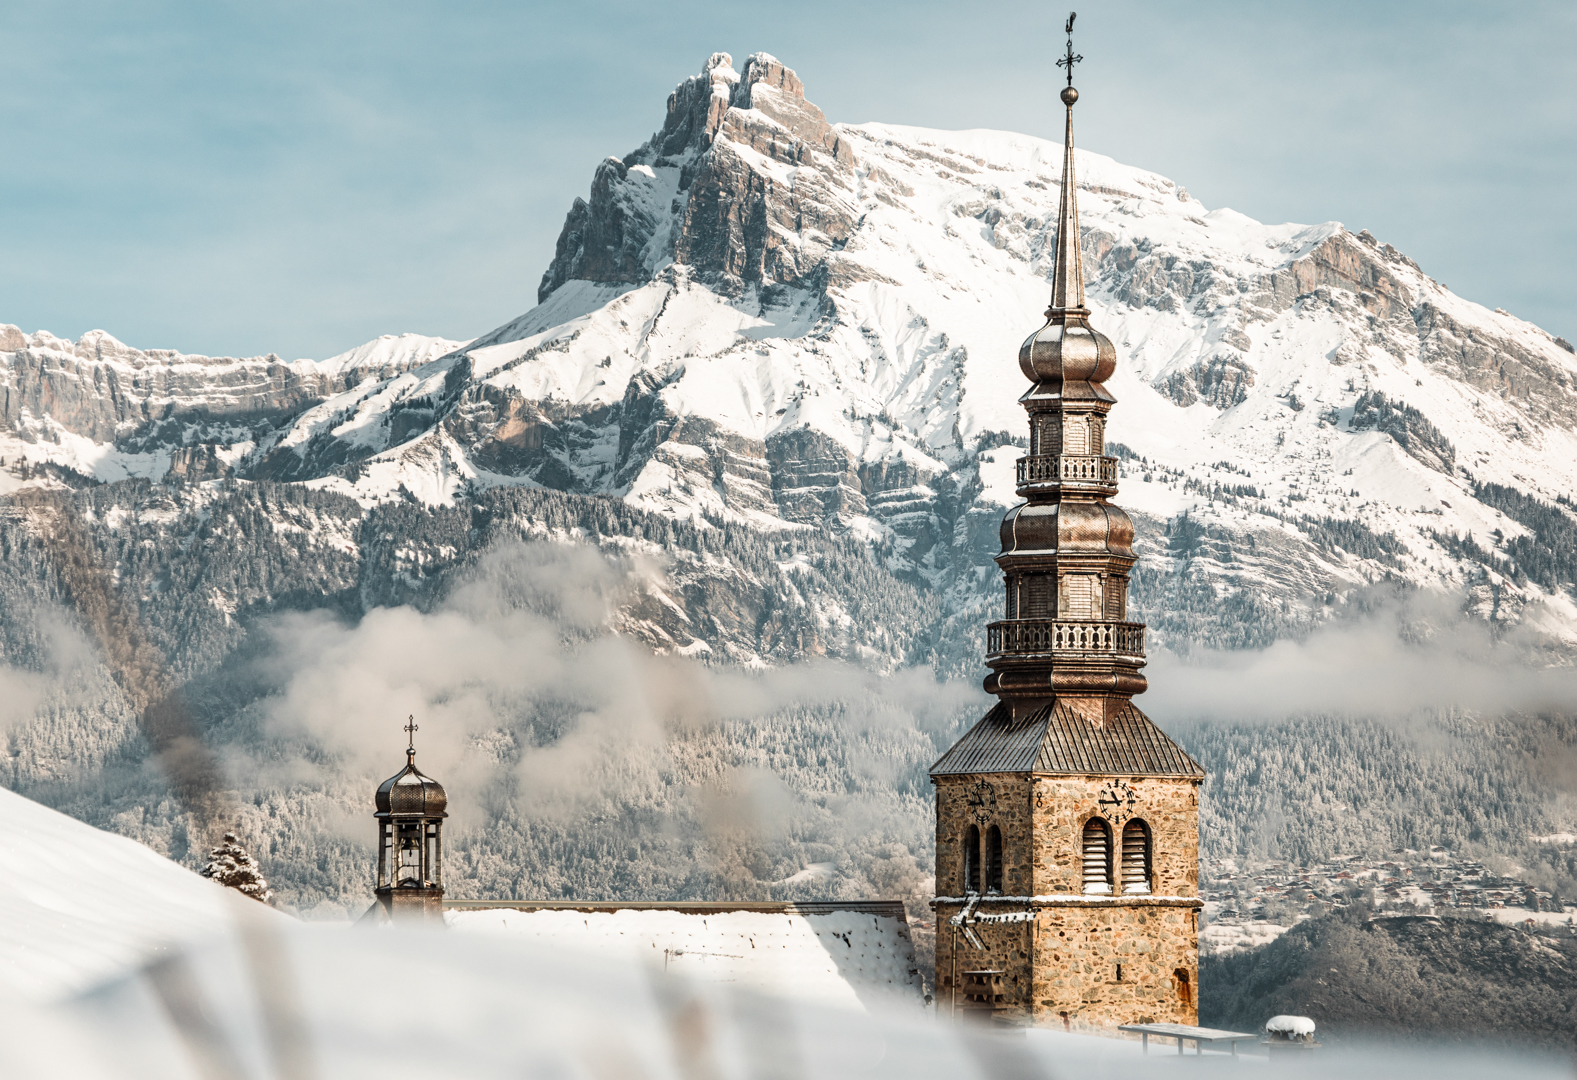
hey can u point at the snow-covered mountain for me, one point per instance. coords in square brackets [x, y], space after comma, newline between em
[761, 317]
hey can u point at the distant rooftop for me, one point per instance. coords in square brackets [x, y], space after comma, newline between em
[848, 954]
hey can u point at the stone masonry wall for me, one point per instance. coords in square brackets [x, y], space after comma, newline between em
[1132, 962]
[1170, 806]
[1062, 969]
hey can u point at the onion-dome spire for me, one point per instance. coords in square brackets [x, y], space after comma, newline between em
[1066, 551]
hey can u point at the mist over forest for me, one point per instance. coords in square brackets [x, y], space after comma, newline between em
[532, 635]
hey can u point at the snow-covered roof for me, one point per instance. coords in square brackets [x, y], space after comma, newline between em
[848, 955]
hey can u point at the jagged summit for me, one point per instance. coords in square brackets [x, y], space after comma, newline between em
[723, 186]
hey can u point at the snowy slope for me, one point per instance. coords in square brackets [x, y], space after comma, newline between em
[79, 906]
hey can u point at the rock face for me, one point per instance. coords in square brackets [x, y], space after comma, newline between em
[761, 186]
[762, 318]
[190, 408]
[100, 389]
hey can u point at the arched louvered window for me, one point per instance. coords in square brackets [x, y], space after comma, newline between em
[1097, 856]
[1136, 858]
[994, 859]
[972, 860]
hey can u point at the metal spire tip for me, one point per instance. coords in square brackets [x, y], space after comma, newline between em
[1070, 57]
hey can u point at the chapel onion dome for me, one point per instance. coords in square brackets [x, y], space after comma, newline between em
[411, 793]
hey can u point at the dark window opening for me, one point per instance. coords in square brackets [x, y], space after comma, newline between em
[994, 859]
[972, 860]
[1185, 992]
[1039, 596]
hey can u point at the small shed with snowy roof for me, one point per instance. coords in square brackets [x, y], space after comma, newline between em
[841, 954]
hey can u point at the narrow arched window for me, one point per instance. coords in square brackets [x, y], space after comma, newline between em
[972, 859]
[1136, 858]
[1097, 856]
[994, 859]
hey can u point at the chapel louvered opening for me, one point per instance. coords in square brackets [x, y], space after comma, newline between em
[1038, 593]
[1076, 437]
[1097, 857]
[1136, 858]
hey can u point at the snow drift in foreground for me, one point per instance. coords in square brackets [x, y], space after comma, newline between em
[79, 905]
[347, 1003]
[115, 962]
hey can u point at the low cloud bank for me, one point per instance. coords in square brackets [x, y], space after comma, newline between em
[1402, 657]
[563, 743]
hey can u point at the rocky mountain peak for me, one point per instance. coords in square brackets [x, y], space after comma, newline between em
[704, 191]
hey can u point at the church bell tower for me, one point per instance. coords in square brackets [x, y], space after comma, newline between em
[410, 814]
[1067, 823]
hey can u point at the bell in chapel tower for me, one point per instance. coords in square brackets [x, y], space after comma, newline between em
[410, 815]
[1067, 822]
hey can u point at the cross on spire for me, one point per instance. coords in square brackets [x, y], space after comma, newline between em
[1070, 58]
[411, 729]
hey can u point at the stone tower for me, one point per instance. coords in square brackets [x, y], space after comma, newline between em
[1067, 823]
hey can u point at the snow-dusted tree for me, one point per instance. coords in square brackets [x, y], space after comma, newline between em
[232, 866]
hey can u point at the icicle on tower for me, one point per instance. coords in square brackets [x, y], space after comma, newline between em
[1067, 823]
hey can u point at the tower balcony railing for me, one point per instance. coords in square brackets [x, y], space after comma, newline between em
[1018, 637]
[1067, 468]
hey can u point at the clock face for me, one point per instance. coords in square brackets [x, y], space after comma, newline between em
[982, 801]
[1117, 801]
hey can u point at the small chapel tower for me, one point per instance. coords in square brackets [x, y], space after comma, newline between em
[410, 814]
[1067, 823]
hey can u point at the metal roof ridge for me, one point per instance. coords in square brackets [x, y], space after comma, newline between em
[892, 908]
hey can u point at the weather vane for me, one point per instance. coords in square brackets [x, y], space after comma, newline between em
[1071, 57]
[411, 727]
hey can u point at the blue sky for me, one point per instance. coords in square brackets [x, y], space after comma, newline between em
[297, 178]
